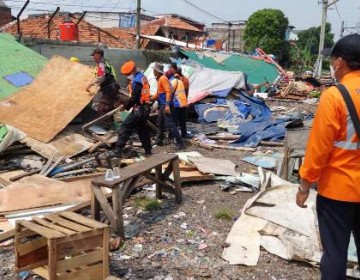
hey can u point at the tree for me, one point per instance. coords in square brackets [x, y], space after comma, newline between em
[309, 39]
[304, 54]
[266, 29]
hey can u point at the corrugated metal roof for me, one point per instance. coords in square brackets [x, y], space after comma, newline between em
[16, 58]
[256, 69]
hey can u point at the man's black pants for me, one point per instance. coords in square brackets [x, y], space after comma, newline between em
[337, 219]
[180, 115]
[167, 121]
[128, 126]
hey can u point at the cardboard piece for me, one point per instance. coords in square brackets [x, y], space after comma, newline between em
[51, 102]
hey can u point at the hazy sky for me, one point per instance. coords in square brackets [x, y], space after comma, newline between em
[301, 14]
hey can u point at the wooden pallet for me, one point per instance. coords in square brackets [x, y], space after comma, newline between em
[63, 246]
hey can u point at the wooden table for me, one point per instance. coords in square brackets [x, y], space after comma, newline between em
[122, 187]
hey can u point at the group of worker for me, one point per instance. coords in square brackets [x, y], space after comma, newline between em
[171, 95]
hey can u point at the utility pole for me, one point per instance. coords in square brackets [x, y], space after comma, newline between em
[319, 62]
[342, 29]
[138, 18]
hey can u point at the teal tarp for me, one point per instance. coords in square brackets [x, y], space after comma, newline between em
[256, 69]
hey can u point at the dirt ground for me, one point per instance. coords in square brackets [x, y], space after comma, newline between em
[186, 241]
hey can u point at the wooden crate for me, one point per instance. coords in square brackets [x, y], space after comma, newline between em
[63, 246]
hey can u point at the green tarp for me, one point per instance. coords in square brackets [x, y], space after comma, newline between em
[255, 69]
[18, 64]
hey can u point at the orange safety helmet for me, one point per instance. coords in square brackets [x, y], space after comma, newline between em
[127, 67]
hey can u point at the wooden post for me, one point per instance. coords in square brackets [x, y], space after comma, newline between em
[177, 181]
[52, 261]
[158, 175]
[95, 206]
[106, 237]
[117, 208]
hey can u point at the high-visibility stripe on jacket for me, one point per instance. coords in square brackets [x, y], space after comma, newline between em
[333, 152]
[145, 90]
[179, 96]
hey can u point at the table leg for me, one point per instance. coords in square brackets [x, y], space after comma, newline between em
[177, 181]
[95, 206]
[158, 175]
[117, 208]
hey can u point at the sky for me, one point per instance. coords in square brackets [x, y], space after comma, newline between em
[301, 14]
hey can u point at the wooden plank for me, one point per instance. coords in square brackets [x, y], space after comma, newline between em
[30, 246]
[94, 272]
[52, 261]
[78, 261]
[82, 220]
[163, 184]
[95, 205]
[66, 223]
[76, 247]
[52, 226]
[47, 172]
[46, 232]
[106, 257]
[134, 184]
[80, 235]
[136, 169]
[41, 271]
[177, 182]
[7, 235]
[104, 205]
[47, 164]
[193, 176]
[117, 208]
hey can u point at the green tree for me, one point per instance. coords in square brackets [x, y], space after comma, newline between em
[309, 39]
[304, 54]
[266, 29]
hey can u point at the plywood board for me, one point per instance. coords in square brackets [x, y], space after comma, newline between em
[39, 191]
[214, 166]
[51, 102]
[64, 145]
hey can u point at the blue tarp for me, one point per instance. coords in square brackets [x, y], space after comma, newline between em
[19, 79]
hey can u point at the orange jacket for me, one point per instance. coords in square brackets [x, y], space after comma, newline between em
[186, 84]
[164, 91]
[333, 151]
[179, 98]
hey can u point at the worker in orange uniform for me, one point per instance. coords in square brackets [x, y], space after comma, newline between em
[105, 78]
[333, 160]
[140, 103]
[165, 119]
[184, 79]
[180, 104]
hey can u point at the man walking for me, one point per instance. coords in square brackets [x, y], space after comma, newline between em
[140, 103]
[105, 77]
[165, 119]
[333, 160]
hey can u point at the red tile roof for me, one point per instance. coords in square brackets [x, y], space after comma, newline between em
[173, 22]
[36, 27]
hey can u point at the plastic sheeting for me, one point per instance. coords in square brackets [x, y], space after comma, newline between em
[13, 135]
[203, 81]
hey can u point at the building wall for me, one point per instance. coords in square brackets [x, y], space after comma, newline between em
[5, 16]
[109, 20]
[220, 31]
[117, 57]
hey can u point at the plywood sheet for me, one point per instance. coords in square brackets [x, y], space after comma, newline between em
[214, 166]
[39, 191]
[51, 102]
[65, 145]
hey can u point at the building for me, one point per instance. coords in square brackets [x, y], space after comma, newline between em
[229, 33]
[116, 19]
[5, 14]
